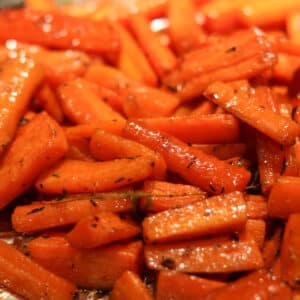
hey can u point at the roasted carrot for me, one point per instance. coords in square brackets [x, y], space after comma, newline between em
[203, 129]
[106, 146]
[219, 214]
[40, 144]
[26, 278]
[79, 149]
[161, 58]
[204, 108]
[75, 176]
[292, 25]
[100, 229]
[280, 129]
[286, 67]
[18, 80]
[211, 255]
[179, 286]
[130, 287]
[256, 207]
[256, 230]
[195, 166]
[93, 268]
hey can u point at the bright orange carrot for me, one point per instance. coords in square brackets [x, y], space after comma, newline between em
[195, 166]
[256, 207]
[284, 195]
[179, 286]
[211, 255]
[286, 66]
[79, 149]
[75, 176]
[161, 58]
[105, 146]
[130, 287]
[92, 268]
[280, 129]
[162, 195]
[256, 230]
[292, 25]
[18, 80]
[203, 129]
[26, 278]
[204, 108]
[38, 146]
[100, 229]
[219, 214]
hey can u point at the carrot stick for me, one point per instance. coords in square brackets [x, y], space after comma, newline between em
[256, 230]
[280, 129]
[18, 80]
[38, 146]
[284, 195]
[58, 31]
[178, 286]
[79, 149]
[195, 166]
[101, 229]
[211, 255]
[219, 214]
[26, 278]
[105, 146]
[161, 58]
[130, 287]
[285, 67]
[203, 129]
[92, 268]
[164, 195]
[75, 176]
[67, 211]
[292, 25]
[256, 207]
[204, 108]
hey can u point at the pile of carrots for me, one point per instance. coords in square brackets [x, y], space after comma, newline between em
[145, 163]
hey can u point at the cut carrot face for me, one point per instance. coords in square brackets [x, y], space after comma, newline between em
[256, 207]
[93, 268]
[219, 214]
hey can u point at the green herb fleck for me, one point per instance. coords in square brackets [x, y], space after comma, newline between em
[35, 210]
[56, 175]
[119, 179]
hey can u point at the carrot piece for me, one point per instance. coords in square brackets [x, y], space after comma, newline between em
[38, 146]
[179, 286]
[276, 268]
[183, 29]
[49, 214]
[100, 229]
[204, 108]
[281, 129]
[195, 166]
[212, 255]
[162, 195]
[284, 195]
[106, 146]
[285, 67]
[256, 207]
[26, 278]
[76, 176]
[130, 287]
[47, 99]
[58, 31]
[203, 129]
[18, 80]
[290, 251]
[41, 5]
[219, 214]
[161, 57]
[90, 268]
[223, 151]
[81, 105]
[184, 109]
[292, 25]
[296, 294]
[256, 230]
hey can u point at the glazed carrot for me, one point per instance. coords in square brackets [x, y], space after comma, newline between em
[290, 251]
[46, 5]
[92, 268]
[58, 31]
[202, 129]
[276, 269]
[283, 199]
[211, 255]
[280, 129]
[18, 80]
[204, 108]
[26, 278]
[256, 207]
[130, 287]
[79, 149]
[285, 67]
[292, 25]
[256, 230]
[81, 105]
[184, 109]
[195, 166]
[161, 57]
[49, 214]
[106, 146]
[179, 286]
[296, 294]
[219, 214]
[75, 176]
[163, 195]
[39, 145]
[101, 229]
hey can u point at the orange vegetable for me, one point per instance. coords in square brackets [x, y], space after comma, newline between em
[92, 268]
[256, 207]
[292, 25]
[204, 108]
[256, 230]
